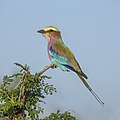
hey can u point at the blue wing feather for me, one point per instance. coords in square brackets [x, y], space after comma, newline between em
[70, 67]
[61, 60]
[58, 57]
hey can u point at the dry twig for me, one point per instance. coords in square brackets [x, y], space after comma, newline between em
[46, 68]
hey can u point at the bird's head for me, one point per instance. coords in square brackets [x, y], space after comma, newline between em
[50, 32]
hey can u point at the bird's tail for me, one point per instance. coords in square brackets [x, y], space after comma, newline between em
[90, 89]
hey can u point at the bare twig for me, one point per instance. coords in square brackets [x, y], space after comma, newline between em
[46, 68]
[40, 73]
[23, 67]
[21, 80]
[21, 94]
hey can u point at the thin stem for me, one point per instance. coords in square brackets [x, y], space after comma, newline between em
[40, 73]
[7, 95]
[20, 81]
[46, 68]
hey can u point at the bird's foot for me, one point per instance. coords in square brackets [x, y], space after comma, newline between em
[54, 66]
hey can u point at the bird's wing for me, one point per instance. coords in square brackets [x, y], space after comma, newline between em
[64, 56]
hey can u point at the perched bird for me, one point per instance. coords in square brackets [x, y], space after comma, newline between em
[62, 57]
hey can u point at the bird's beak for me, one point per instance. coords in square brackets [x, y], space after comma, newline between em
[41, 31]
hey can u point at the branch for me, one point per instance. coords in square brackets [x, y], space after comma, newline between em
[21, 80]
[40, 73]
[23, 67]
[7, 95]
[22, 88]
[46, 68]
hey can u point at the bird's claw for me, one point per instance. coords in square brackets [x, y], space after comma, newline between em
[54, 66]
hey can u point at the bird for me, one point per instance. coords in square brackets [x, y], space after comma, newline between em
[61, 56]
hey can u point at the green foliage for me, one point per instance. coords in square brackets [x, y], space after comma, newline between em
[23, 102]
[26, 96]
[60, 116]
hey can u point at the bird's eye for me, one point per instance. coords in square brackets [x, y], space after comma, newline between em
[51, 30]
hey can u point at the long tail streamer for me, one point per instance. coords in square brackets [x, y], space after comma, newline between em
[90, 89]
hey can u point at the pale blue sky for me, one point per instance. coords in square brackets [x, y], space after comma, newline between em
[91, 28]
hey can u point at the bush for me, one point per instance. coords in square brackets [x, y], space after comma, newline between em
[23, 102]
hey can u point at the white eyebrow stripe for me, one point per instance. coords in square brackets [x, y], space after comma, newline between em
[50, 28]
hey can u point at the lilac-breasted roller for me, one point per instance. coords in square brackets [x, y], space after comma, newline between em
[61, 56]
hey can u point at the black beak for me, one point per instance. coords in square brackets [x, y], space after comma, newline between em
[41, 31]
